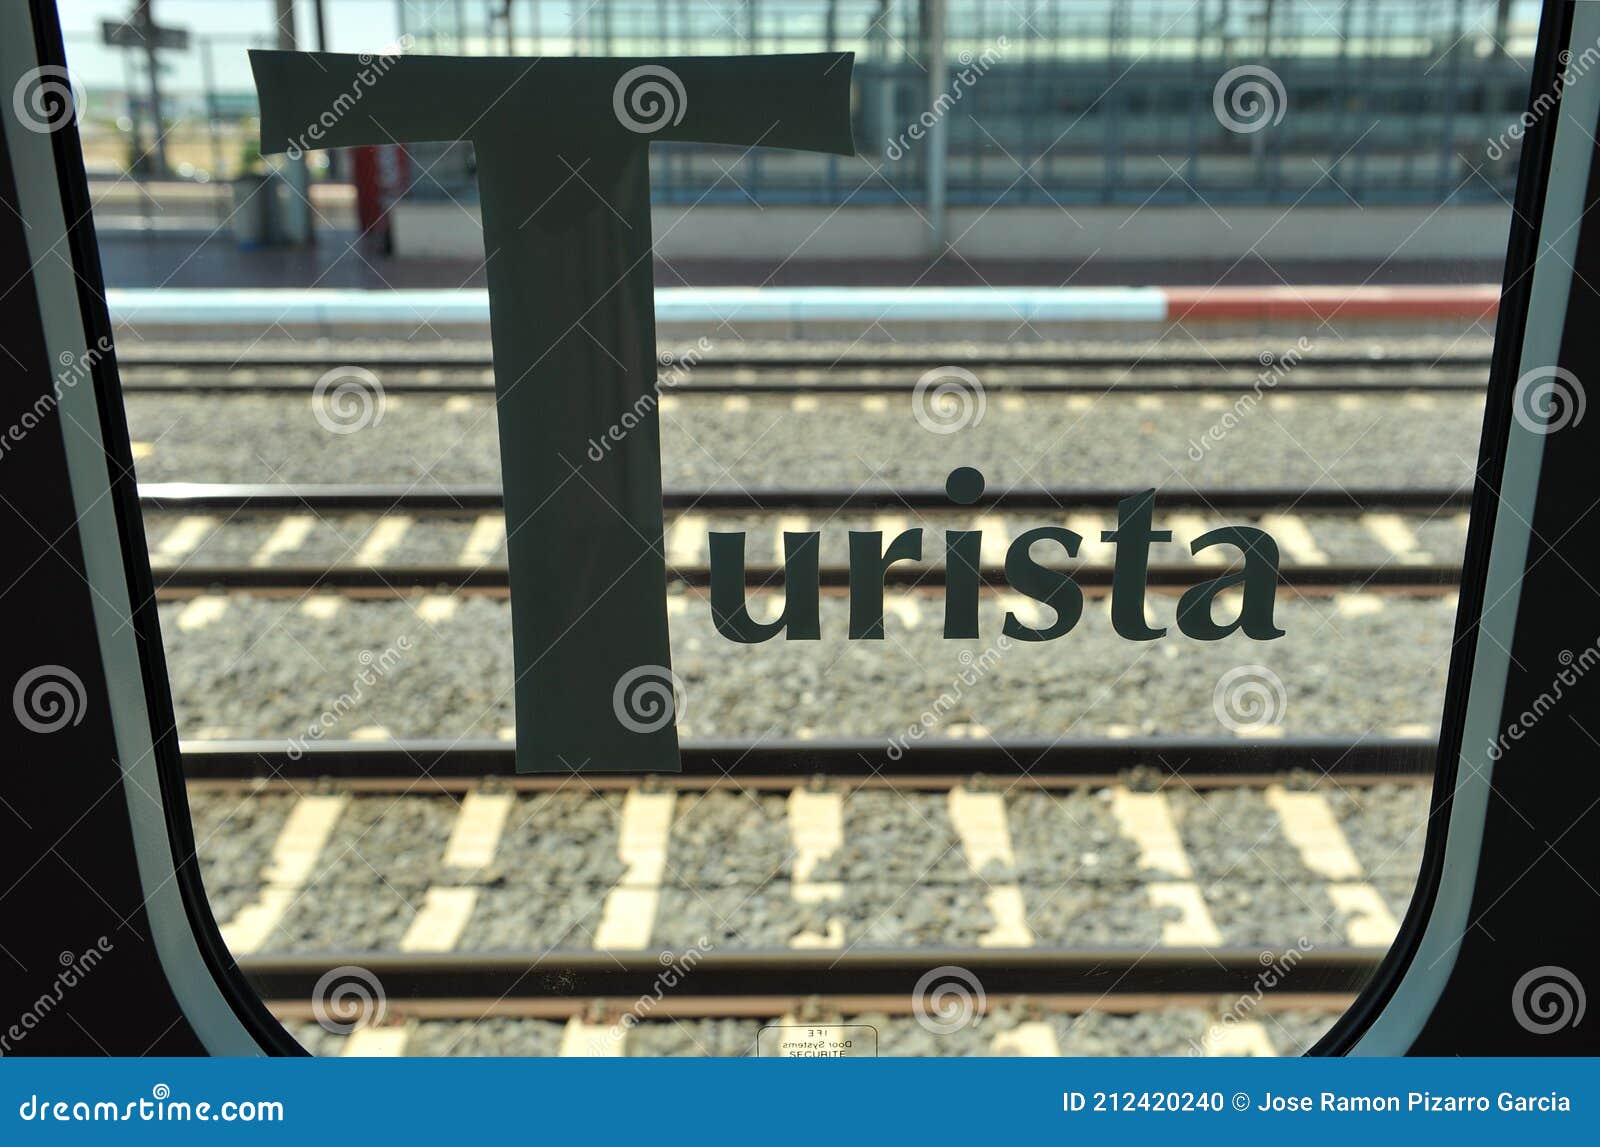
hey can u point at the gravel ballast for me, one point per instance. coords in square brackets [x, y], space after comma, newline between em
[1163, 1032]
[262, 667]
[442, 539]
[904, 878]
[1131, 441]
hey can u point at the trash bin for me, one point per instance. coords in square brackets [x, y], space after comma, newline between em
[257, 210]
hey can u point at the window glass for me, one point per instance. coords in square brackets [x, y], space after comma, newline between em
[1148, 339]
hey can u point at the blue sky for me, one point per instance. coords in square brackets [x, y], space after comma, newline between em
[354, 25]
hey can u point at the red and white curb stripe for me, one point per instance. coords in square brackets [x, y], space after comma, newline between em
[687, 306]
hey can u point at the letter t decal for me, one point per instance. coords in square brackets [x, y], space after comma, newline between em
[562, 148]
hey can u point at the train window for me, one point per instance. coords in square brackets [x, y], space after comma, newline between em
[1016, 597]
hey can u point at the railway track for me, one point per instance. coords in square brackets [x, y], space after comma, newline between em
[241, 497]
[400, 580]
[1116, 890]
[436, 665]
[1058, 872]
[777, 763]
[547, 916]
[1043, 374]
[564, 984]
[1026, 1003]
[998, 1024]
[836, 441]
[1241, 353]
[387, 539]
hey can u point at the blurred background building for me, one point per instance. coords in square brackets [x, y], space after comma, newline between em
[990, 130]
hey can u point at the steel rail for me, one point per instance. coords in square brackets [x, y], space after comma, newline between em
[375, 497]
[357, 580]
[796, 975]
[835, 1009]
[789, 358]
[993, 383]
[783, 761]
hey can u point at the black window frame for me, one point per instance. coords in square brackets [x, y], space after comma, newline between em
[101, 842]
